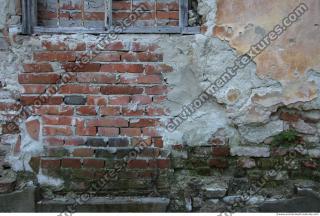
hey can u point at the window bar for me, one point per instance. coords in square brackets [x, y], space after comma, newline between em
[155, 13]
[106, 14]
[110, 13]
[131, 8]
[29, 16]
[82, 13]
[58, 13]
[183, 14]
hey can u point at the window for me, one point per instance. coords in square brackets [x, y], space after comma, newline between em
[103, 16]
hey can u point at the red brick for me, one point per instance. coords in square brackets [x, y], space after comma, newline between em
[69, 6]
[123, 15]
[156, 90]
[128, 78]
[36, 100]
[141, 99]
[141, 57]
[159, 99]
[54, 131]
[107, 57]
[38, 78]
[150, 79]
[97, 100]
[137, 164]
[160, 163]
[33, 129]
[45, 14]
[130, 131]
[86, 131]
[130, 112]
[218, 163]
[158, 69]
[141, 142]
[290, 117]
[99, 78]
[56, 120]
[109, 111]
[119, 100]
[143, 47]
[81, 130]
[144, 122]
[71, 163]
[114, 46]
[83, 152]
[86, 110]
[53, 141]
[156, 111]
[107, 122]
[122, 68]
[93, 163]
[37, 68]
[50, 163]
[121, 90]
[54, 56]
[120, 5]
[34, 89]
[220, 151]
[74, 141]
[168, 6]
[168, 15]
[82, 67]
[63, 46]
[55, 110]
[310, 164]
[109, 132]
[79, 89]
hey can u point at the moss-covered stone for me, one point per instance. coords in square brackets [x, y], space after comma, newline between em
[286, 139]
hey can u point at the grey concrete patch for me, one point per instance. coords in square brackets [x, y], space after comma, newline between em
[3, 44]
[309, 202]
[18, 201]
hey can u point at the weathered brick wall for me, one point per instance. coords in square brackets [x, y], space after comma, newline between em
[97, 116]
[92, 13]
[72, 112]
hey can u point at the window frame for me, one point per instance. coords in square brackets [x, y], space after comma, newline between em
[29, 23]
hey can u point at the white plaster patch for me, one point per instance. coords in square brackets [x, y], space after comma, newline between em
[49, 181]
[250, 151]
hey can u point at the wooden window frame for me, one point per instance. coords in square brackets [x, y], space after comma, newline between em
[29, 23]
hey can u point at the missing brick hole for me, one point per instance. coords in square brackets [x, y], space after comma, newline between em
[6, 166]
[194, 19]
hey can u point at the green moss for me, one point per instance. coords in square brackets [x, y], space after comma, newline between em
[285, 139]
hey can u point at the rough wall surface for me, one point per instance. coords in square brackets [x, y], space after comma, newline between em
[260, 131]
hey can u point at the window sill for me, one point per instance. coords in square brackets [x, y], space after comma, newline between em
[131, 30]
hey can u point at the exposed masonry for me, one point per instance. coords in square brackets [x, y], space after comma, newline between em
[127, 93]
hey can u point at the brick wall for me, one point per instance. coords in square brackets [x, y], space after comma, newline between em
[106, 108]
[92, 13]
